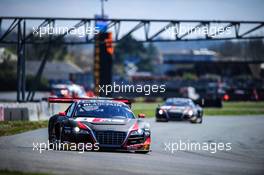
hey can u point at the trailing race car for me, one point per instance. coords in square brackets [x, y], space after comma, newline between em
[179, 109]
[106, 123]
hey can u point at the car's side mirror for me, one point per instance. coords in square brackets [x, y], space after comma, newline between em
[141, 115]
[62, 113]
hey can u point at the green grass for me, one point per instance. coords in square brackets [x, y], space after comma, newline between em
[237, 108]
[146, 108]
[229, 108]
[15, 127]
[7, 172]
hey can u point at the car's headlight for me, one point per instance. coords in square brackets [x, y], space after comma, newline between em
[161, 112]
[147, 133]
[76, 129]
[80, 131]
[137, 132]
[190, 112]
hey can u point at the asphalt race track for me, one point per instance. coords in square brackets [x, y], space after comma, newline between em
[244, 133]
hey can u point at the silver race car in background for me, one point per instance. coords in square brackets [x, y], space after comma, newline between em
[179, 109]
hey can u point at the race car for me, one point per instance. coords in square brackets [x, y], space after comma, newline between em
[67, 91]
[179, 109]
[106, 123]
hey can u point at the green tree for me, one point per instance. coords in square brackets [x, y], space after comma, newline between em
[130, 47]
[149, 60]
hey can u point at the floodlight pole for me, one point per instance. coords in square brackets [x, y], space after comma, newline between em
[102, 7]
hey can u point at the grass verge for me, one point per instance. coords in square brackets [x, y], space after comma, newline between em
[15, 127]
[7, 172]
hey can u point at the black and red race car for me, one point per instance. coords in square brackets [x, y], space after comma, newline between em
[106, 123]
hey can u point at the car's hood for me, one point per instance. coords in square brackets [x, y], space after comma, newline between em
[100, 124]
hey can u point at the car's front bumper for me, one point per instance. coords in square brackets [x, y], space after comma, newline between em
[167, 115]
[130, 144]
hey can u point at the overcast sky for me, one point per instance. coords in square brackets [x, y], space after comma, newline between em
[159, 9]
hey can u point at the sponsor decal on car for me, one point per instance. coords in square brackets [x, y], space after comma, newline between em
[99, 120]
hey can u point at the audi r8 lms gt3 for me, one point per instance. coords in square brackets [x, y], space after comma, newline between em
[106, 123]
[179, 109]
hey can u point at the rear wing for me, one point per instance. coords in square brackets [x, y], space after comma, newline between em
[71, 100]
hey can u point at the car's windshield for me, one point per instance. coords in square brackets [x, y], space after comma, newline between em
[103, 110]
[177, 102]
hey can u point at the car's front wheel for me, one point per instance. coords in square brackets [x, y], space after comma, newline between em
[197, 120]
[56, 138]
